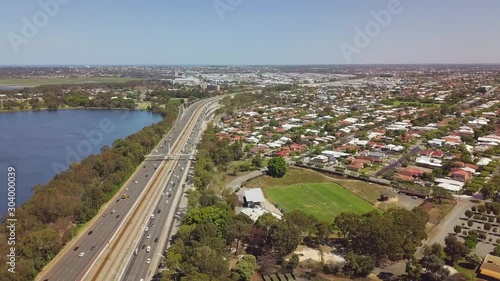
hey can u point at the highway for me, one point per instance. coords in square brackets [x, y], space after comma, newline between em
[144, 264]
[77, 260]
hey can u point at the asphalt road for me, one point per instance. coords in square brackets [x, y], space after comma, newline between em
[77, 261]
[144, 263]
[414, 150]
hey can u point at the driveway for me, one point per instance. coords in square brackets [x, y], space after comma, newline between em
[237, 182]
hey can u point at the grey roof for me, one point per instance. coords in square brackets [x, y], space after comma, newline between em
[254, 195]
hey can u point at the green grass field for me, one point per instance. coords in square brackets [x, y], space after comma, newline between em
[32, 82]
[322, 200]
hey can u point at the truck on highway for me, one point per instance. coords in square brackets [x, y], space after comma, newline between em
[124, 196]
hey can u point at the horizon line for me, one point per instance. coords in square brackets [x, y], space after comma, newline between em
[235, 65]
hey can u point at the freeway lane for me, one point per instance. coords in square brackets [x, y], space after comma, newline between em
[72, 266]
[143, 264]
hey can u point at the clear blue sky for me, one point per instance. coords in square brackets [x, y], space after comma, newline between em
[253, 32]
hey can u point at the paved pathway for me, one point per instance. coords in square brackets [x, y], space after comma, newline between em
[235, 183]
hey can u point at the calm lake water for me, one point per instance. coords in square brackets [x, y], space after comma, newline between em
[41, 144]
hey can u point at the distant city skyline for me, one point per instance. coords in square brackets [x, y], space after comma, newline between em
[249, 32]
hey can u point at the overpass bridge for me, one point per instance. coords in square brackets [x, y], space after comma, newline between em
[162, 157]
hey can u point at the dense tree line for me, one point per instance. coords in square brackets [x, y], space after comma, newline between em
[46, 220]
[392, 235]
[59, 96]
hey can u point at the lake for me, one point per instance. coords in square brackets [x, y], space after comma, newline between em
[41, 144]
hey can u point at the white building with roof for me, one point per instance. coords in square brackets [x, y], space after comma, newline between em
[254, 196]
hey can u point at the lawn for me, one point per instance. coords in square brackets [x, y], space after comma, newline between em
[143, 105]
[323, 200]
[31, 82]
[368, 191]
[293, 176]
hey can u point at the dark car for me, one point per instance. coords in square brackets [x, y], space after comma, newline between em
[156, 239]
[76, 248]
[117, 216]
[117, 200]
[146, 176]
[144, 246]
[90, 232]
[158, 211]
[93, 247]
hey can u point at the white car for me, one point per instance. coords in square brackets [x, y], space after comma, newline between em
[149, 236]
[166, 202]
[148, 261]
[148, 249]
[152, 216]
[146, 229]
[81, 254]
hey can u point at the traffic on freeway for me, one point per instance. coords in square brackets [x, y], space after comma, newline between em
[148, 249]
[76, 261]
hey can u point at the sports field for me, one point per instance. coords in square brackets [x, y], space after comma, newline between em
[322, 200]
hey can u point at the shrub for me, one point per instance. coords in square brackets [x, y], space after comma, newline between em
[487, 226]
[481, 209]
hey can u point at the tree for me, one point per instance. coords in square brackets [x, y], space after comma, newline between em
[285, 237]
[488, 191]
[245, 268]
[487, 226]
[323, 230]
[277, 167]
[474, 260]
[239, 229]
[257, 161]
[413, 270]
[292, 263]
[454, 249]
[496, 250]
[440, 193]
[358, 266]
[468, 214]
[347, 223]
[471, 240]
[457, 229]
[434, 249]
[434, 266]
[213, 214]
[303, 221]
